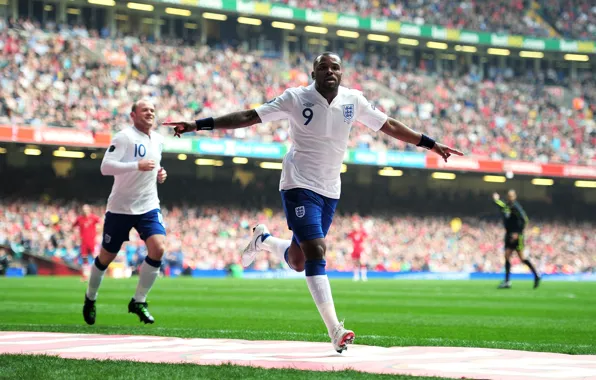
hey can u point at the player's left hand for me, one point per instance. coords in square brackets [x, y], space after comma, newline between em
[445, 151]
[162, 175]
[514, 236]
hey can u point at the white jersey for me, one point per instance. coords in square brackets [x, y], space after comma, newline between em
[134, 192]
[320, 132]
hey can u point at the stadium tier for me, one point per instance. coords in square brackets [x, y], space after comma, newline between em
[57, 90]
[53, 80]
[503, 16]
[573, 19]
[570, 19]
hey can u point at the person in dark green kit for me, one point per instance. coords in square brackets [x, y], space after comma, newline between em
[515, 221]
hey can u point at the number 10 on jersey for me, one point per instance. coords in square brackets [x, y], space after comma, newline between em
[140, 150]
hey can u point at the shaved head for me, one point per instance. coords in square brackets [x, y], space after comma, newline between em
[326, 72]
[330, 54]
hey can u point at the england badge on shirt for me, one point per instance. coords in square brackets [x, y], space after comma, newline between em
[348, 112]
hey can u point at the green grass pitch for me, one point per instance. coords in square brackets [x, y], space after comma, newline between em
[558, 317]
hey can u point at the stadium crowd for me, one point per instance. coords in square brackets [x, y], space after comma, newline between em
[573, 19]
[213, 238]
[52, 79]
[501, 16]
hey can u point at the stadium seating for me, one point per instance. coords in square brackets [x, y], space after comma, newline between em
[572, 19]
[506, 16]
[213, 238]
[51, 79]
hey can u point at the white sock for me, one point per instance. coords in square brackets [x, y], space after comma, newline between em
[363, 273]
[147, 275]
[356, 274]
[276, 246]
[321, 293]
[94, 282]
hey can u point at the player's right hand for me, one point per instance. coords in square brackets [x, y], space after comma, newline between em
[181, 127]
[146, 165]
[496, 196]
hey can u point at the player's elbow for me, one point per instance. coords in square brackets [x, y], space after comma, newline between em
[251, 117]
[105, 169]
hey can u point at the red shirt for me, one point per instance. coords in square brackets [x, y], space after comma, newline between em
[357, 238]
[87, 227]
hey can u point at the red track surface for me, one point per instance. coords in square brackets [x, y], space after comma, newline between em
[478, 363]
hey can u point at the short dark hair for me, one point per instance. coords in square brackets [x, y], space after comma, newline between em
[325, 54]
[135, 104]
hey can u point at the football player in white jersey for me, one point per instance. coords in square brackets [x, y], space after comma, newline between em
[321, 116]
[133, 158]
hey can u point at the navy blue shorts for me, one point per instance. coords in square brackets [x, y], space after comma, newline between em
[309, 214]
[116, 228]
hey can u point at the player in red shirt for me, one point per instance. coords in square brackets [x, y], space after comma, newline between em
[87, 223]
[358, 236]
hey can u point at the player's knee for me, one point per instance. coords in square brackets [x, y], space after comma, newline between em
[156, 247]
[105, 257]
[314, 249]
[157, 251]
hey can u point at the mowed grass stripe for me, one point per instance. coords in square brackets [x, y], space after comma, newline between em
[48, 367]
[440, 317]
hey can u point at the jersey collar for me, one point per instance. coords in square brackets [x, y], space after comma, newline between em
[142, 133]
[321, 99]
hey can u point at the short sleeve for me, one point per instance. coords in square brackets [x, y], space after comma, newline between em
[369, 115]
[276, 109]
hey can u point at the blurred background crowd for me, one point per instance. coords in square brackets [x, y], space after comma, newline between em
[213, 238]
[54, 75]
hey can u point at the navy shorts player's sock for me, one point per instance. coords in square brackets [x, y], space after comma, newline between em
[315, 268]
[318, 284]
[507, 270]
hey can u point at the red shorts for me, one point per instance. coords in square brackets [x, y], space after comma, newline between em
[87, 249]
[356, 255]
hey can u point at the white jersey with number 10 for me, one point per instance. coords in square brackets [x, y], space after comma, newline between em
[134, 192]
[320, 132]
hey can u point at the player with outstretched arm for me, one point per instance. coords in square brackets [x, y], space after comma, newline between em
[321, 116]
